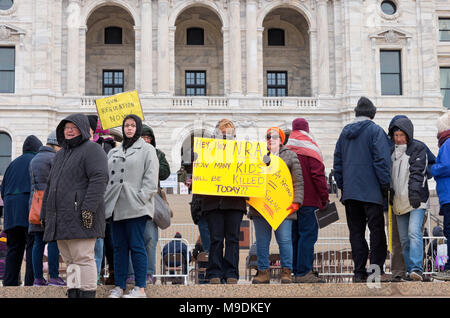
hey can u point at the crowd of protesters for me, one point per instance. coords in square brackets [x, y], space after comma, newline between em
[98, 203]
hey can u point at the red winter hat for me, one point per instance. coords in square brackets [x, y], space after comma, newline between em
[300, 124]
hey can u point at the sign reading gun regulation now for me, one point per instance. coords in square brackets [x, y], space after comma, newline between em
[229, 168]
[113, 109]
[279, 193]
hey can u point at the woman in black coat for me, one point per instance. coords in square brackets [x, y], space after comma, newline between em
[73, 209]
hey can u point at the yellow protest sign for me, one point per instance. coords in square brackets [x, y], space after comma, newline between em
[229, 167]
[279, 193]
[113, 109]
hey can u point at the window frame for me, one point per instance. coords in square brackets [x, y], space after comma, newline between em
[113, 85]
[444, 88]
[276, 86]
[194, 86]
[13, 70]
[443, 30]
[195, 28]
[400, 73]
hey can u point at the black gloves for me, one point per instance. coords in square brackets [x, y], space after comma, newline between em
[391, 196]
[414, 201]
[384, 190]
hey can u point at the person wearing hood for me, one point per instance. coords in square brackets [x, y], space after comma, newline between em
[411, 194]
[133, 170]
[73, 210]
[39, 170]
[441, 173]
[15, 191]
[263, 231]
[362, 169]
[151, 229]
[316, 197]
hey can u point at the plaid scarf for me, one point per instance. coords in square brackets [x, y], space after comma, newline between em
[303, 143]
[442, 137]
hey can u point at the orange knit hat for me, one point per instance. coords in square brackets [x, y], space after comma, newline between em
[279, 131]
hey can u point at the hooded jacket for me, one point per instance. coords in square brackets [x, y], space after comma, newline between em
[77, 182]
[409, 170]
[441, 173]
[362, 162]
[16, 186]
[164, 167]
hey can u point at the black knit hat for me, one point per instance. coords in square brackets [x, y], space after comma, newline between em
[365, 108]
[93, 121]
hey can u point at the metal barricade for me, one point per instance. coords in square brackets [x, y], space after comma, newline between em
[174, 263]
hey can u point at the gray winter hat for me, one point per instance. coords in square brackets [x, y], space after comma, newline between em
[51, 139]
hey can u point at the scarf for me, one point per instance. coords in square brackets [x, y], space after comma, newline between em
[74, 142]
[128, 142]
[399, 150]
[442, 137]
[303, 144]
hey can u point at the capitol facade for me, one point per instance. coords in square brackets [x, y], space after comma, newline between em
[259, 63]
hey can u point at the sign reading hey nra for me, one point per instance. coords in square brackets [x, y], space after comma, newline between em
[113, 109]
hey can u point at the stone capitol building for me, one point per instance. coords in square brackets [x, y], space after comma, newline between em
[260, 63]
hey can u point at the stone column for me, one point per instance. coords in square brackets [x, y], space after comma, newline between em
[163, 47]
[252, 49]
[73, 47]
[235, 48]
[146, 47]
[323, 47]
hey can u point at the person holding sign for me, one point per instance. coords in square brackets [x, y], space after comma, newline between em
[306, 231]
[133, 171]
[224, 215]
[263, 231]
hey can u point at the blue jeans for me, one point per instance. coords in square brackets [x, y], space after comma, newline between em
[305, 232]
[151, 240]
[38, 253]
[204, 233]
[98, 250]
[263, 233]
[128, 235]
[445, 211]
[410, 233]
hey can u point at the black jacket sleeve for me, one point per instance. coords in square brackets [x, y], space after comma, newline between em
[417, 172]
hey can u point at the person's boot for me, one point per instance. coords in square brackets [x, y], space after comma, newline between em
[73, 293]
[262, 277]
[87, 293]
[286, 277]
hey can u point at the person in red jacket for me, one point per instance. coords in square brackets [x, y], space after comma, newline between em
[315, 196]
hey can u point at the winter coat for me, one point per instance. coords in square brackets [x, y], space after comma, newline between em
[291, 160]
[77, 182]
[164, 167]
[441, 173]
[409, 170]
[16, 186]
[39, 171]
[431, 157]
[362, 161]
[133, 181]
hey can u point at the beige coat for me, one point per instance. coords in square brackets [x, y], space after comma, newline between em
[133, 180]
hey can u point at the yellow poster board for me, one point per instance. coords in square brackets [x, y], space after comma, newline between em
[113, 109]
[279, 193]
[229, 167]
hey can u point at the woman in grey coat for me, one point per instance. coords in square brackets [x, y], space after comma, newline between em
[133, 171]
[73, 209]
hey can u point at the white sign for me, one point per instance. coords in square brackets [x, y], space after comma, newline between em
[183, 188]
[170, 182]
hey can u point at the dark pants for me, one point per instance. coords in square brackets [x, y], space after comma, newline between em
[445, 211]
[108, 247]
[17, 239]
[359, 214]
[305, 232]
[224, 225]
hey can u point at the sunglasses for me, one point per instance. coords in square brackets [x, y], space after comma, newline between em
[272, 137]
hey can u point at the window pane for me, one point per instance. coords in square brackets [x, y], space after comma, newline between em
[195, 36]
[388, 7]
[118, 78]
[390, 84]
[118, 90]
[444, 35]
[390, 61]
[107, 78]
[281, 92]
[200, 92]
[6, 82]
[5, 145]
[6, 4]
[190, 91]
[271, 92]
[445, 97]
[4, 163]
[107, 91]
[445, 77]
[113, 35]
[7, 58]
[444, 24]
[275, 37]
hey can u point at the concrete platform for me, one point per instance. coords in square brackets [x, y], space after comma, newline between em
[339, 290]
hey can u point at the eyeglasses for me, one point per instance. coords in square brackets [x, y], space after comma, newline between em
[73, 128]
[268, 137]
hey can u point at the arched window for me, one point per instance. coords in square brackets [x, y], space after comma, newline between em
[6, 4]
[195, 36]
[113, 35]
[275, 37]
[5, 152]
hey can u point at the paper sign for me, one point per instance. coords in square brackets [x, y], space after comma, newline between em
[113, 109]
[279, 193]
[229, 167]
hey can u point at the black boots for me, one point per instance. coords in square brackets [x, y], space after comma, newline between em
[77, 293]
